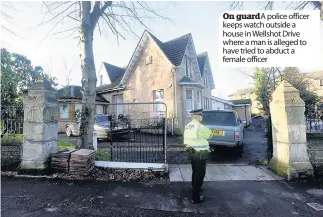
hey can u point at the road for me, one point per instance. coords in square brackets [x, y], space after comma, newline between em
[55, 198]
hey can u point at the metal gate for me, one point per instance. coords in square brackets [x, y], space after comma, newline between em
[137, 133]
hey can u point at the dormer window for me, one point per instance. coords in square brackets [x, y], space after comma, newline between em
[188, 67]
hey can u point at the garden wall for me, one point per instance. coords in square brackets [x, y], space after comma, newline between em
[11, 151]
[315, 152]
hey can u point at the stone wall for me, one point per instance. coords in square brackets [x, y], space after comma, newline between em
[10, 155]
[315, 152]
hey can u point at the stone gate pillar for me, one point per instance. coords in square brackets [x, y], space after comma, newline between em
[40, 127]
[290, 157]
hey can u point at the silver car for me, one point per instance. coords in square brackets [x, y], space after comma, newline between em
[227, 128]
[101, 127]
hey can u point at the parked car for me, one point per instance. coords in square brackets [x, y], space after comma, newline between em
[101, 127]
[227, 128]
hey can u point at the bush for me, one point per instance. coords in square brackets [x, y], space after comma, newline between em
[102, 155]
[65, 145]
[12, 138]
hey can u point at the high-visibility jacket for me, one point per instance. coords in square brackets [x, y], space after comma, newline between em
[196, 135]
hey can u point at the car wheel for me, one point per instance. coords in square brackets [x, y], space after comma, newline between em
[69, 132]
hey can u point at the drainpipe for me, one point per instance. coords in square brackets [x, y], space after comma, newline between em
[174, 98]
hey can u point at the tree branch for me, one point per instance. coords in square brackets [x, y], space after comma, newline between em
[98, 11]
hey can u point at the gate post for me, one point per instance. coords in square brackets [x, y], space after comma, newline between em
[40, 128]
[290, 158]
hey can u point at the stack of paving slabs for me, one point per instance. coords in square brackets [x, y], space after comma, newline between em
[60, 160]
[82, 162]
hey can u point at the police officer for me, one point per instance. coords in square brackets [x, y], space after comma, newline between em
[195, 139]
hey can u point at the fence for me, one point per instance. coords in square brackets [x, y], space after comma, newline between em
[314, 118]
[126, 132]
[12, 119]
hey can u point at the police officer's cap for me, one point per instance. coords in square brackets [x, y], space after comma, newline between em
[196, 112]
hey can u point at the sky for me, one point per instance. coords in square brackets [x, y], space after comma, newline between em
[58, 53]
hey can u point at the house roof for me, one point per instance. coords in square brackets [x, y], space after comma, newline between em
[243, 91]
[201, 60]
[186, 79]
[315, 75]
[221, 100]
[174, 51]
[114, 72]
[73, 92]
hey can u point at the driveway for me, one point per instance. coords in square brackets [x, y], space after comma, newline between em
[255, 148]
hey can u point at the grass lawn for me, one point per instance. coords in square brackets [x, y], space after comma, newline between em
[18, 138]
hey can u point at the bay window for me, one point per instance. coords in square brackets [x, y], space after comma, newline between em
[199, 100]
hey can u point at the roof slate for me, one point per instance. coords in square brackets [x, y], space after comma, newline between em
[201, 60]
[73, 92]
[114, 72]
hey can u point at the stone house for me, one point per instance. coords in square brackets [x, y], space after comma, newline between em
[70, 100]
[170, 72]
[248, 93]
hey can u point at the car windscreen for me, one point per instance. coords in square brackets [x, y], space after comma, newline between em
[101, 119]
[219, 118]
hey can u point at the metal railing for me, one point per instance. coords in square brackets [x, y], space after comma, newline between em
[12, 119]
[314, 118]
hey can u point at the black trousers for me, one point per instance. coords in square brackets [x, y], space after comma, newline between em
[198, 161]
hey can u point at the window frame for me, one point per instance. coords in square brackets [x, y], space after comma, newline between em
[119, 107]
[67, 111]
[96, 109]
[158, 107]
[188, 66]
[101, 79]
[321, 82]
[186, 100]
[199, 99]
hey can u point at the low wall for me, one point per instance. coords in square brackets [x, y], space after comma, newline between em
[315, 152]
[10, 155]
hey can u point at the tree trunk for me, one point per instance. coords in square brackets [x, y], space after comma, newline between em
[88, 77]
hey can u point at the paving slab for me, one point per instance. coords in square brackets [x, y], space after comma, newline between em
[235, 173]
[216, 174]
[175, 174]
[259, 174]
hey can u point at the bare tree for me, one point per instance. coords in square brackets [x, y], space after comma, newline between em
[87, 16]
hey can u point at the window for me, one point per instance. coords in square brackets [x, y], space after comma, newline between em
[101, 79]
[64, 111]
[149, 60]
[206, 103]
[188, 67]
[199, 100]
[321, 82]
[189, 101]
[119, 108]
[158, 96]
[99, 109]
[205, 80]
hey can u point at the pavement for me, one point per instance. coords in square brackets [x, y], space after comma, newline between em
[223, 172]
[28, 197]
